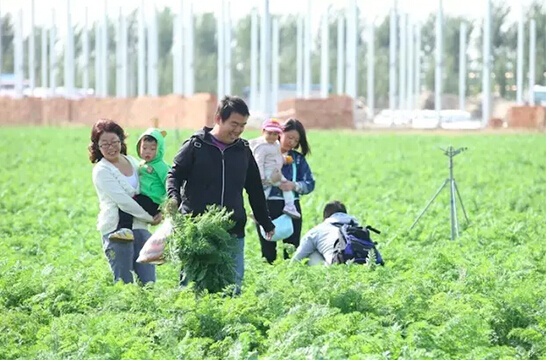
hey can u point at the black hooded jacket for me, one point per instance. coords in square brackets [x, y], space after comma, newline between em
[212, 177]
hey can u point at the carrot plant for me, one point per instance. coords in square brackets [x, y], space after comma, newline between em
[482, 296]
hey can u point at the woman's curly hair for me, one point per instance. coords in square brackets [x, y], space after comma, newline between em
[101, 126]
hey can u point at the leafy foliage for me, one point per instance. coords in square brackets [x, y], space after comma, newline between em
[204, 248]
[482, 296]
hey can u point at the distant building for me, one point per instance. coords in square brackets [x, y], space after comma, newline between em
[7, 85]
[7, 89]
[288, 90]
[540, 94]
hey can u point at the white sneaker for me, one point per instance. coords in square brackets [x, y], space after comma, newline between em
[291, 211]
[122, 235]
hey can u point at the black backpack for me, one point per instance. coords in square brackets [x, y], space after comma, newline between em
[355, 243]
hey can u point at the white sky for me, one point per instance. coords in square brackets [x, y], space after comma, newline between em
[418, 9]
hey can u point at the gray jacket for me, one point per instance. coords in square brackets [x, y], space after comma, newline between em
[322, 238]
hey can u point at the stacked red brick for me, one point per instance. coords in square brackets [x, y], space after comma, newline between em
[171, 111]
[526, 117]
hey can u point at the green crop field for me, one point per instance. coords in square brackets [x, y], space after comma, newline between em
[482, 296]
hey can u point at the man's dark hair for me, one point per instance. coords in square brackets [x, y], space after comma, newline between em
[332, 208]
[231, 104]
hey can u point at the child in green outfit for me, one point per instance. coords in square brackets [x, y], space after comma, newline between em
[152, 179]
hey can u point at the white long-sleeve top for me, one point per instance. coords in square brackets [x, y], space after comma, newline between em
[322, 238]
[115, 192]
[268, 156]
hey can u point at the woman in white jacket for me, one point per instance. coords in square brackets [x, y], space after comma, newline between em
[116, 182]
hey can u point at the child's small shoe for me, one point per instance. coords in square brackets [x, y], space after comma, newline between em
[291, 211]
[122, 235]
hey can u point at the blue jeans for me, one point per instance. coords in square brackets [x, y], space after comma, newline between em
[239, 267]
[239, 263]
[122, 258]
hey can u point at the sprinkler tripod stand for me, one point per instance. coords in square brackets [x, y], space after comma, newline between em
[449, 152]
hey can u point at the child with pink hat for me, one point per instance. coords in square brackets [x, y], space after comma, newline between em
[270, 160]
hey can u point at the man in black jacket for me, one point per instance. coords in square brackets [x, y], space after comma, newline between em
[216, 165]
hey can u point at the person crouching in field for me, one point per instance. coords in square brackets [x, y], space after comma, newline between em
[318, 243]
[115, 178]
[152, 179]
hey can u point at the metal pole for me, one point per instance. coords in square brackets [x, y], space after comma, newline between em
[227, 46]
[124, 50]
[393, 54]
[18, 54]
[177, 56]
[97, 60]
[300, 56]
[265, 59]
[370, 71]
[153, 53]
[1, 52]
[461, 203]
[307, 51]
[86, 53]
[487, 92]
[351, 49]
[275, 66]
[254, 59]
[429, 203]
[532, 54]
[451, 195]
[324, 54]
[68, 79]
[462, 69]
[410, 64]
[417, 66]
[32, 83]
[340, 58]
[189, 31]
[43, 57]
[53, 62]
[104, 54]
[454, 231]
[141, 50]
[118, 60]
[519, 62]
[438, 60]
[402, 59]
[221, 51]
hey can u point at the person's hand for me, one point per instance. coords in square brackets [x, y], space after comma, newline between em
[269, 235]
[172, 206]
[157, 219]
[276, 176]
[286, 186]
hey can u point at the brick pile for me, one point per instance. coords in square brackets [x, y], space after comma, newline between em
[172, 111]
[325, 113]
[526, 117]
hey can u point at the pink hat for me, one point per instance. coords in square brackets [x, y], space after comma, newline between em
[272, 125]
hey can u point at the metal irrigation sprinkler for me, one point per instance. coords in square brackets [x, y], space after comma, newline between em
[449, 152]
